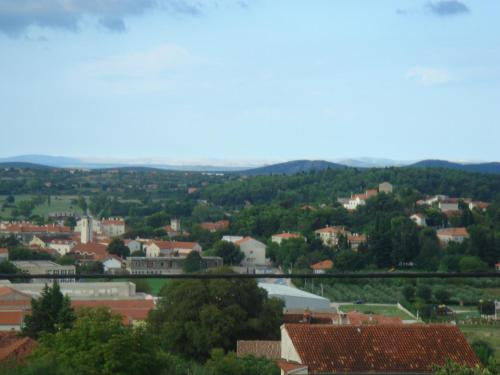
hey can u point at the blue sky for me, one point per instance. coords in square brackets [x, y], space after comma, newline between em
[250, 80]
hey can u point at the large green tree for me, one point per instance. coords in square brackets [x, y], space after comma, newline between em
[229, 252]
[117, 247]
[50, 313]
[195, 316]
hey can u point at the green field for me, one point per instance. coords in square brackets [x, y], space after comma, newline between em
[58, 203]
[377, 309]
[488, 333]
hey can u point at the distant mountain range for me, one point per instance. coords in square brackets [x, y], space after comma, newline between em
[287, 168]
[293, 167]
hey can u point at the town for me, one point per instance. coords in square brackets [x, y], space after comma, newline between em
[425, 231]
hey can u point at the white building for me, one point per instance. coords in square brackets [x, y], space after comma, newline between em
[385, 187]
[169, 248]
[63, 247]
[296, 299]
[278, 238]
[112, 264]
[133, 245]
[448, 235]
[113, 227]
[330, 235]
[254, 251]
[419, 219]
[87, 229]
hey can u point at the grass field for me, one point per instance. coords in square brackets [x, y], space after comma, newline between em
[58, 203]
[391, 310]
[488, 333]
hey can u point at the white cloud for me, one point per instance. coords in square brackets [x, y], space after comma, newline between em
[429, 76]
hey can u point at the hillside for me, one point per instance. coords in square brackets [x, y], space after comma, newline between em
[24, 165]
[293, 167]
[492, 167]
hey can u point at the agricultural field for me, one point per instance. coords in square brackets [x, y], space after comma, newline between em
[56, 203]
[469, 292]
[387, 310]
[488, 333]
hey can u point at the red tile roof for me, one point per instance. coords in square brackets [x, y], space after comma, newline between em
[12, 317]
[3, 250]
[112, 222]
[453, 232]
[379, 348]
[357, 239]
[331, 230]
[287, 235]
[259, 348]
[14, 347]
[217, 225]
[323, 265]
[28, 228]
[96, 251]
[287, 366]
[130, 310]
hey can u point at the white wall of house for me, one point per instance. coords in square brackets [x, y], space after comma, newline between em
[111, 264]
[134, 246]
[255, 253]
[152, 250]
[62, 248]
[288, 351]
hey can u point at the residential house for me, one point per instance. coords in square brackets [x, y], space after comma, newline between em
[92, 251]
[113, 227]
[367, 349]
[448, 235]
[359, 199]
[215, 226]
[481, 206]
[134, 245]
[13, 347]
[259, 349]
[419, 219]
[385, 187]
[132, 311]
[330, 235]
[25, 231]
[232, 238]
[254, 252]
[4, 254]
[322, 267]
[14, 306]
[174, 228]
[450, 204]
[356, 240]
[112, 264]
[278, 238]
[170, 248]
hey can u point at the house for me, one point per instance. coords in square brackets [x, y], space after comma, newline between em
[357, 200]
[259, 348]
[112, 264]
[169, 248]
[62, 246]
[450, 204]
[448, 235]
[131, 311]
[482, 206]
[419, 219]
[330, 235]
[13, 347]
[355, 240]
[25, 231]
[113, 227]
[385, 187]
[278, 238]
[497, 266]
[322, 267]
[368, 349]
[232, 239]
[92, 251]
[174, 228]
[14, 306]
[133, 245]
[4, 254]
[215, 226]
[254, 252]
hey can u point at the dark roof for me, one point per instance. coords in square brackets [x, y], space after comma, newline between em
[259, 348]
[380, 348]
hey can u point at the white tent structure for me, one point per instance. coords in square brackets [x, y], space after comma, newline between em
[296, 299]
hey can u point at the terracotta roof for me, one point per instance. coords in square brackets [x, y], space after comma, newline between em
[453, 232]
[174, 244]
[14, 347]
[306, 317]
[259, 348]
[217, 225]
[28, 228]
[357, 318]
[357, 239]
[12, 317]
[287, 366]
[331, 230]
[95, 250]
[243, 240]
[112, 222]
[323, 265]
[4, 250]
[6, 290]
[287, 235]
[379, 348]
[130, 310]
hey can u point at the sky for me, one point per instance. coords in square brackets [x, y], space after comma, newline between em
[249, 80]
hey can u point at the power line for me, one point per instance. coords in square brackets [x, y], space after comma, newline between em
[345, 275]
